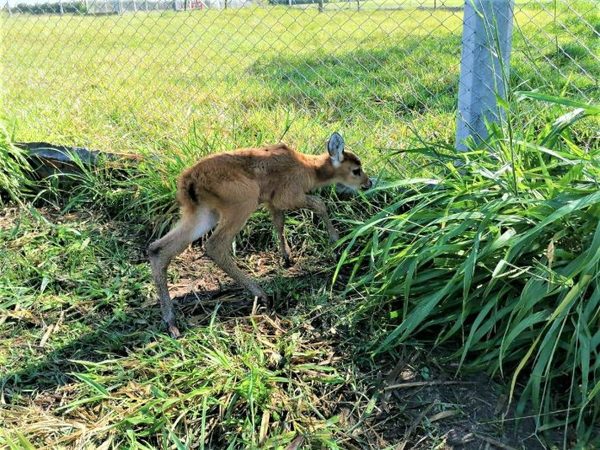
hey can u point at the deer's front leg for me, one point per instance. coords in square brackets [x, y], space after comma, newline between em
[278, 222]
[316, 205]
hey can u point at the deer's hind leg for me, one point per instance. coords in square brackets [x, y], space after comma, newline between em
[194, 224]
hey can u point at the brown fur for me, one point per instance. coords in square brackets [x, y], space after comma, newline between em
[224, 189]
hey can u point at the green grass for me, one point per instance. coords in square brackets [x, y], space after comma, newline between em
[78, 294]
[141, 82]
[13, 169]
[84, 360]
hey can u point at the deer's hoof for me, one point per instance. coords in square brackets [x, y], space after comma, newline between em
[174, 331]
[265, 301]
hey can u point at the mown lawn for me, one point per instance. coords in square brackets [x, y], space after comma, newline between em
[143, 82]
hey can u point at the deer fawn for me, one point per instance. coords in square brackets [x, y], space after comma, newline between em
[224, 189]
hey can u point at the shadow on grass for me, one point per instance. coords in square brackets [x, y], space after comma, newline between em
[120, 334]
[417, 75]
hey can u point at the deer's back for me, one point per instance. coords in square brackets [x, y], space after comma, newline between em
[266, 173]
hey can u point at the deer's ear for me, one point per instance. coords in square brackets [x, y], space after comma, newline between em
[335, 147]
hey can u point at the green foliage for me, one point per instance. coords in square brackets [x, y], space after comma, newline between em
[52, 8]
[13, 169]
[498, 249]
[499, 253]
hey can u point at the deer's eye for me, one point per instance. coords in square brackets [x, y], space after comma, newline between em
[356, 172]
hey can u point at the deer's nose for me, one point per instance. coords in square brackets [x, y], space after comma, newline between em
[368, 184]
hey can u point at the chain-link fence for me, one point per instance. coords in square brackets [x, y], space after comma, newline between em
[121, 75]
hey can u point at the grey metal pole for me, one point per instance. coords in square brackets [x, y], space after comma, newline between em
[484, 66]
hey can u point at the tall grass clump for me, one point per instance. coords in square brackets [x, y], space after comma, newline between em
[13, 168]
[498, 249]
[141, 192]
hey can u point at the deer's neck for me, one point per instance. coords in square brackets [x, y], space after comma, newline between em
[323, 170]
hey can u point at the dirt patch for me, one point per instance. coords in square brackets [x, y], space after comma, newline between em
[198, 283]
[423, 406]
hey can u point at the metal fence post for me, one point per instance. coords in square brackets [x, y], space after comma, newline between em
[484, 66]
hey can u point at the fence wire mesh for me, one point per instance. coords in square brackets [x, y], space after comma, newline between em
[121, 75]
